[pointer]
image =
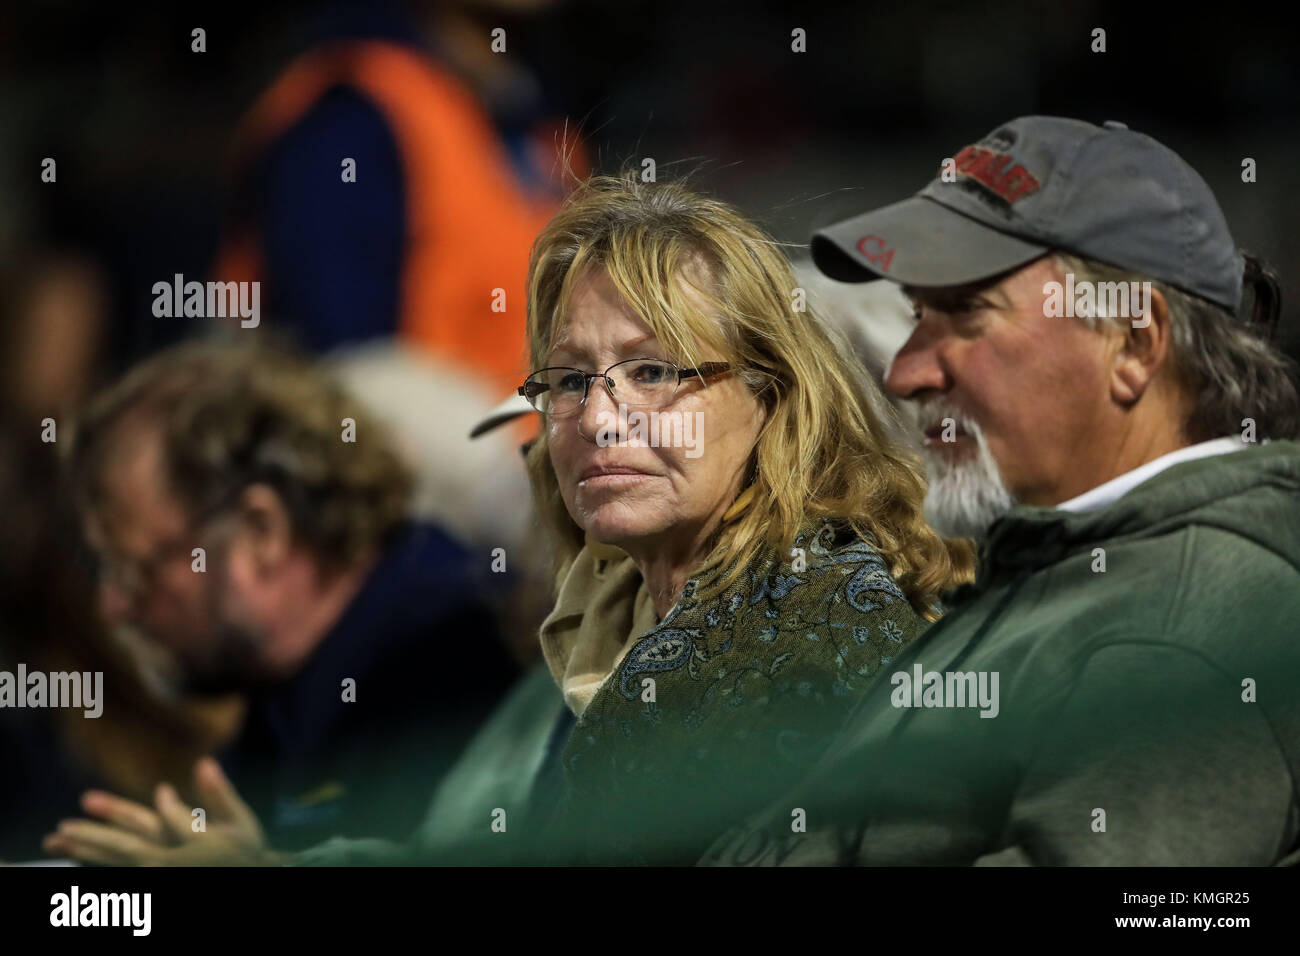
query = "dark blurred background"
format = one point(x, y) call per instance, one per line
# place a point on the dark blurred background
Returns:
point(143, 130)
point(140, 125)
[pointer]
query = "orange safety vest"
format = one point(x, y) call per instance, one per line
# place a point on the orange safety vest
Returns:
point(470, 222)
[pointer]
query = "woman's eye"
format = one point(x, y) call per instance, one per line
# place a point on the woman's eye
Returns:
point(571, 383)
point(649, 374)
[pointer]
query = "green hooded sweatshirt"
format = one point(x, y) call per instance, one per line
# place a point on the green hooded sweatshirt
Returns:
point(1117, 687)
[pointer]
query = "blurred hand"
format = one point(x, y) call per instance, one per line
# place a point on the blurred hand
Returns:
point(136, 835)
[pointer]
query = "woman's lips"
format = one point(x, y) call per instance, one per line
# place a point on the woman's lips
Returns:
point(600, 476)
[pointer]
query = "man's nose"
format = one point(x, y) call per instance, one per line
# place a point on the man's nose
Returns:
point(600, 414)
point(916, 368)
point(115, 604)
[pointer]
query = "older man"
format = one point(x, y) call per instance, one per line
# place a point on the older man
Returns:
point(1122, 683)
point(254, 520)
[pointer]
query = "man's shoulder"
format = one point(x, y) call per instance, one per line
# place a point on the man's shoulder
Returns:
point(422, 635)
point(1201, 583)
point(1204, 595)
point(423, 566)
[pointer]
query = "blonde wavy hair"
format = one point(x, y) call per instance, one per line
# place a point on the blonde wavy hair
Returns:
point(823, 451)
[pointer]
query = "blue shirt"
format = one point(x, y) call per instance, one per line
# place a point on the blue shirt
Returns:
point(421, 642)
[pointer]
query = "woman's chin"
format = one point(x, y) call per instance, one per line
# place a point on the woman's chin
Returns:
point(616, 530)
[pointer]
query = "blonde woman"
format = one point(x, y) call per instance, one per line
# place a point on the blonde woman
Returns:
point(738, 550)
point(738, 545)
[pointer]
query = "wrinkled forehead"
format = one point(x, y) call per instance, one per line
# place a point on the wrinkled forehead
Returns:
point(632, 309)
point(134, 503)
point(595, 305)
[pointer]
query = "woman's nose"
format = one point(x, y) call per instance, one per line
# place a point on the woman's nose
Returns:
point(600, 414)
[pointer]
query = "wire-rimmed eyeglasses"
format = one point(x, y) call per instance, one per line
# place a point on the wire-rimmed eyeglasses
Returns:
point(559, 390)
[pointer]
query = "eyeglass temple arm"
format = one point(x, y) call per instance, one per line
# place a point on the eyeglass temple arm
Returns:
point(708, 368)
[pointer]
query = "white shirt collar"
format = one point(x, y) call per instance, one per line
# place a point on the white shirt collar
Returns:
point(1113, 490)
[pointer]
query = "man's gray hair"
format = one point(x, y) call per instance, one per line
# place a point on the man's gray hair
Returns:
point(1230, 368)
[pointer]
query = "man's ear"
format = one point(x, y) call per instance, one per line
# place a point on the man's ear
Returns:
point(265, 526)
point(1145, 346)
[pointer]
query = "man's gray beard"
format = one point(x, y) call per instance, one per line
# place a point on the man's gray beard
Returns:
point(966, 494)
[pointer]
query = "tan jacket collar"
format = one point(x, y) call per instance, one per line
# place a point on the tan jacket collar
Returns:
point(602, 609)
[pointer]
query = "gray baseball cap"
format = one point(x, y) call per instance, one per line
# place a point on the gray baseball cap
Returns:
point(1042, 183)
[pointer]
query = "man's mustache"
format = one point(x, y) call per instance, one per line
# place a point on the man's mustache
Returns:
point(929, 412)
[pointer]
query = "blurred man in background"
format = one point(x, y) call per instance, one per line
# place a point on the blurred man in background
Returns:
point(251, 517)
point(48, 623)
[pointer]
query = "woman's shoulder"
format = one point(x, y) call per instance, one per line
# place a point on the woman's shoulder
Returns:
point(829, 554)
point(762, 672)
point(824, 551)
point(829, 603)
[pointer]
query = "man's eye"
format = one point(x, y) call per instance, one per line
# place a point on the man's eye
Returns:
point(967, 306)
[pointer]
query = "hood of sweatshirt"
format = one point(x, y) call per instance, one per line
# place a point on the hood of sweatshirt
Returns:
point(1254, 493)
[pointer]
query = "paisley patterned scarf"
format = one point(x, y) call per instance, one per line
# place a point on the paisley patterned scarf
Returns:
point(603, 607)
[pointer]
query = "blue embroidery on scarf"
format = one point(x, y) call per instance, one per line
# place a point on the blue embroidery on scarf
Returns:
point(661, 651)
point(668, 648)
point(873, 578)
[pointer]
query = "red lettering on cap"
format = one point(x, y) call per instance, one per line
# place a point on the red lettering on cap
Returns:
point(997, 162)
point(1018, 183)
point(883, 255)
point(966, 158)
point(986, 167)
